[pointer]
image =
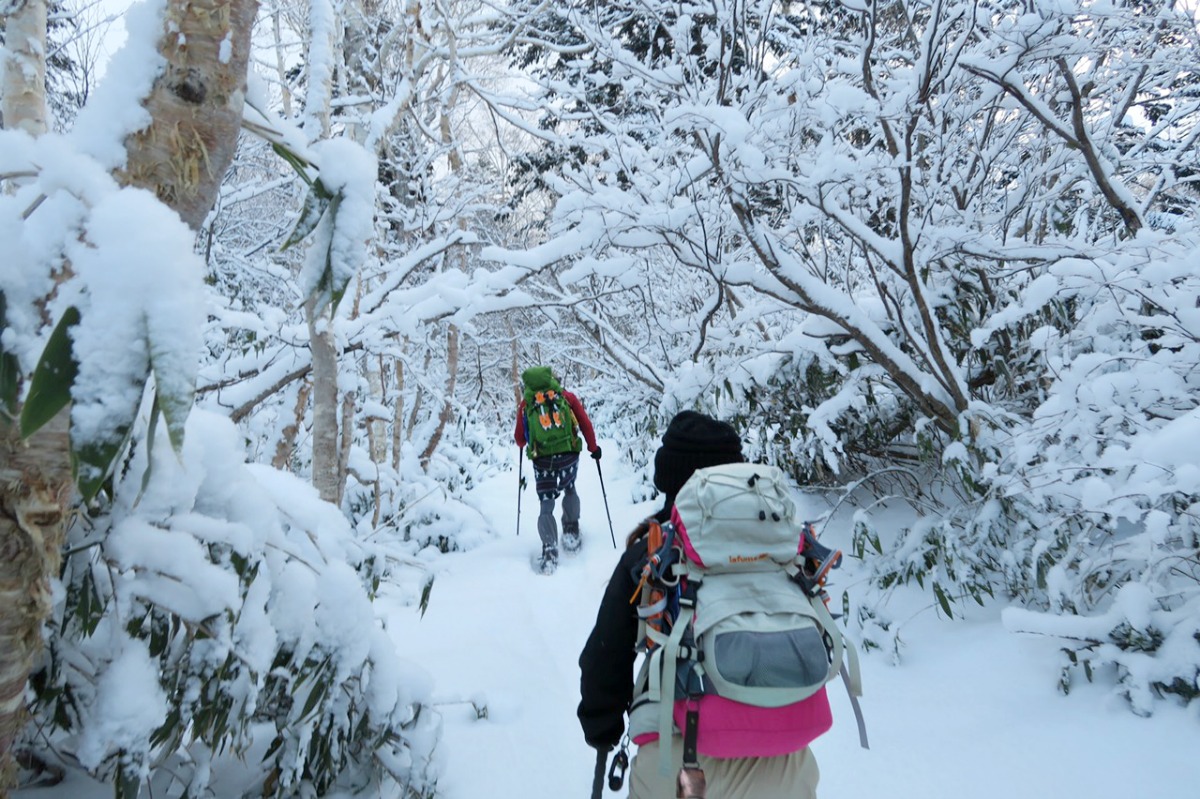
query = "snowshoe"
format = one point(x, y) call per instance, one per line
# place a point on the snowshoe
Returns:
point(547, 563)
point(571, 541)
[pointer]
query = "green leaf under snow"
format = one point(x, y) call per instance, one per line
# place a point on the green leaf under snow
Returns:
point(329, 283)
point(297, 162)
point(50, 387)
point(316, 202)
point(943, 600)
point(320, 688)
point(174, 396)
point(150, 430)
point(426, 592)
point(94, 461)
point(10, 371)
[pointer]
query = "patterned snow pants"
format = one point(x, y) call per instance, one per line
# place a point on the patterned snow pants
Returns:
point(554, 475)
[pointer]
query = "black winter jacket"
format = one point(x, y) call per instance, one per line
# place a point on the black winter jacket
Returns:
point(606, 663)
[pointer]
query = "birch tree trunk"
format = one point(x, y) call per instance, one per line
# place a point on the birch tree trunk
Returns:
point(35, 475)
point(377, 441)
point(285, 91)
point(196, 109)
point(514, 368)
point(447, 412)
point(287, 442)
point(322, 56)
point(23, 92)
point(196, 106)
point(347, 442)
point(398, 415)
point(35, 501)
point(454, 156)
point(419, 400)
point(325, 477)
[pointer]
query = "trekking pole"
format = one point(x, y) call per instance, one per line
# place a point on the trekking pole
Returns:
point(520, 485)
point(598, 779)
point(606, 513)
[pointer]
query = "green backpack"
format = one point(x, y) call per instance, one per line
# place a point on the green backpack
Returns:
point(550, 427)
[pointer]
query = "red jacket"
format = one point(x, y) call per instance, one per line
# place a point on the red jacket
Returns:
point(581, 418)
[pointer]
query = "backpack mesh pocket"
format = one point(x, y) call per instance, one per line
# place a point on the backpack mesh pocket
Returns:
point(797, 657)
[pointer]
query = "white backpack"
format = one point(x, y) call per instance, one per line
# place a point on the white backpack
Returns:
point(734, 617)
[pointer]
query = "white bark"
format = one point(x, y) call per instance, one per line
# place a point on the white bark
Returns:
point(322, 49)
point(285, 91)
point(23, 96)
point(398, 416)
point(287, 442)
point(447, 412)
point(325, 458)
point(196, 105)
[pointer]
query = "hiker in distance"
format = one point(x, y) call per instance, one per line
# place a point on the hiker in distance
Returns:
point(739, 747)
point(549, 421)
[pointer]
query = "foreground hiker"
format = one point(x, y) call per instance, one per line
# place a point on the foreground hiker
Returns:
point(549, 420)
point(738, 746)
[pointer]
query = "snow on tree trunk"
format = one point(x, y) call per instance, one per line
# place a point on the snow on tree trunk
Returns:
point(196, 105)
point(322, 57)
point(322, 47)
point(377, 441)
point(287, 441)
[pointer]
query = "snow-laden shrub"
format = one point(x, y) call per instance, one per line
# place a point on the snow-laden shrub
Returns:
point(219, 609)
point(1085, 511)
point(1108, 473)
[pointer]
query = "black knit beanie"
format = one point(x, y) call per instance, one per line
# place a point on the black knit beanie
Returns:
point(693, 441)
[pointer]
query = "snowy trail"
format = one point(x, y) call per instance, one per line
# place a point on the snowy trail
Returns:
point(499, 634)
point(972, 713)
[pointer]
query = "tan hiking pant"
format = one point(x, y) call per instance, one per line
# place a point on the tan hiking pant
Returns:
point(793, 776)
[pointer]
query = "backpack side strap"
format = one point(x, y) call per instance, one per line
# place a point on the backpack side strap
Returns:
point(845, 652)
point(668, 656)
point(854, 695)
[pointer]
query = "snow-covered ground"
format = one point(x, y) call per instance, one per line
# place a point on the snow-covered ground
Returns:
point(972, 710)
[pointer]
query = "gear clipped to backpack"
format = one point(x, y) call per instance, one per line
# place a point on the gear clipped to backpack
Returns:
point(734, 622)
point(550, 424)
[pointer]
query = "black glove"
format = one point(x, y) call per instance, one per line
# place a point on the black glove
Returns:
point(596, 454)
point(604, 743)
point(524, 482)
